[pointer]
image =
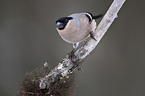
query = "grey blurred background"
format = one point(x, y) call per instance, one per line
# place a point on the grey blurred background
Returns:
point(28, 38)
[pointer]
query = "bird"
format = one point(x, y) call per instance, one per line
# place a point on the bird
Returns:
point(77, 27)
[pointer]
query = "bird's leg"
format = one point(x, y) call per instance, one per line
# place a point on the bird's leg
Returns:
point(74, 59)
point(71, 54)
point(75, 45)
point(92, 36)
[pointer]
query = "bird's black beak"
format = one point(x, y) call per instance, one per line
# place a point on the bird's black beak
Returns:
point(59, 25)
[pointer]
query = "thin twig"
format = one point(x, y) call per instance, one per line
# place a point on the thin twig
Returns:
point(65, 68)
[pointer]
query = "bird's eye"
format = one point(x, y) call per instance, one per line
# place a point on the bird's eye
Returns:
point(60, 25)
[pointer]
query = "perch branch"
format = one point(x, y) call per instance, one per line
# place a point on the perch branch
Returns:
point(68, 65)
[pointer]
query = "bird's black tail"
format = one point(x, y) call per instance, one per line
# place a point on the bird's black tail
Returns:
point(98, 16)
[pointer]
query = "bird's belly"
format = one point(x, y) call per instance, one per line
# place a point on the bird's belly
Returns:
point(75, 36)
